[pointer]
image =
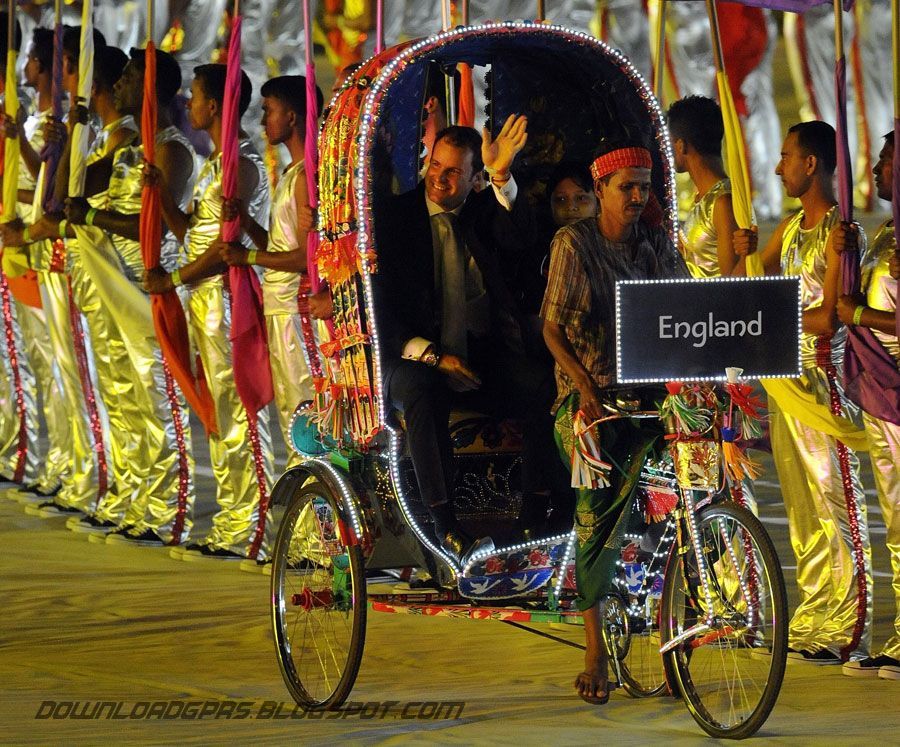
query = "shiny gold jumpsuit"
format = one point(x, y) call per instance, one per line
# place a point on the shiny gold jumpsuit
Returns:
point(158, 495)
point(807, 462)
point(884, 438)
point(242, 473)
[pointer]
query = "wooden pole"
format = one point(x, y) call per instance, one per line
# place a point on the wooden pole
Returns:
point(11, 25)
point(541, 13)
point(838, 31)
point(718, 59)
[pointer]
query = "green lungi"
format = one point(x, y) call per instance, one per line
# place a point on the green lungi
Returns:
point(601, 514)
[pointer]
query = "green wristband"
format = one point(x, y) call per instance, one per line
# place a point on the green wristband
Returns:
point(175, 277)
point(251, 257)
point(857, 314)
point(89, 218)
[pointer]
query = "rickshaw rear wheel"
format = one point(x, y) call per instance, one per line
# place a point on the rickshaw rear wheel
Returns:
point(318, 599)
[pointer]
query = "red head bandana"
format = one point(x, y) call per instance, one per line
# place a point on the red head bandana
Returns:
point(622, 158)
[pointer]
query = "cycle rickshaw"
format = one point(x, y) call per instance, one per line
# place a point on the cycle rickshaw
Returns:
point(716, 607)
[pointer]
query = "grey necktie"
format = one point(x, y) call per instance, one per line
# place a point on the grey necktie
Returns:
point(450, 276)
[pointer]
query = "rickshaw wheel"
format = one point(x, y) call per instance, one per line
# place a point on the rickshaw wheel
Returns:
point(729, 675)
point(638, 662)
point(318, 599)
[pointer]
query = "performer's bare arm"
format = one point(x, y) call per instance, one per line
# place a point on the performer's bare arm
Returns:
point(822, 320)
point(60, 132)
point(16, 129)
point(292, 261)
point(564, 354)
point(745, 241)
point(210, 263)
point(121, 224)
point(883, 321)
point(99, 172)
point(726, 225)
point(174, 166)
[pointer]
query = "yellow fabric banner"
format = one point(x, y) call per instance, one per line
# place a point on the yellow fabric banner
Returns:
point(735, 155)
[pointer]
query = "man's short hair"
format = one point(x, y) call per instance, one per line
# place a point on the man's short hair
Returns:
point(291, 91)
point(42, 48)
point(463, 137)
point(889, 138)
point(109, 62)
point(72, 41)
point(168, 73)
point(17, 35)
point(212, 80)
point(698, 121)
point(817, 139)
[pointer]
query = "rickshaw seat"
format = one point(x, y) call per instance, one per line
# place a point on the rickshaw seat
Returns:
point(474, 432)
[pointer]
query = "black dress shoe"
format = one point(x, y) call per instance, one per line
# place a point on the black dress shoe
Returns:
point(458, 544)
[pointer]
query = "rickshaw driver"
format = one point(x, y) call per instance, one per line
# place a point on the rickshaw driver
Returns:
point(447, 315)
point(624, 241)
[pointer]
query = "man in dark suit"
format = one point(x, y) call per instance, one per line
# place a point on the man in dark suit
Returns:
point(448, 316)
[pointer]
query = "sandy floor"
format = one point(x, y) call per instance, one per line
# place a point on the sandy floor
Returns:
point(84, 622)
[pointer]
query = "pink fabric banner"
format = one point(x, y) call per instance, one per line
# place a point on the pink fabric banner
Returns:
point(249, 343)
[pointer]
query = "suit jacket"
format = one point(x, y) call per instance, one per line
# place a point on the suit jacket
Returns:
point(406, 303)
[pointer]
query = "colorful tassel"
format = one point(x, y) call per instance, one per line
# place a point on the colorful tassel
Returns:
point(588, 468)
point(689, 408)
point(737, 463)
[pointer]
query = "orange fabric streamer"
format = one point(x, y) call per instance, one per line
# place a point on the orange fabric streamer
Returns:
point(466, 96)
point(168, 314)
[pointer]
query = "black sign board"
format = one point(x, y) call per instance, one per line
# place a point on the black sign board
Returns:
point(693, 329)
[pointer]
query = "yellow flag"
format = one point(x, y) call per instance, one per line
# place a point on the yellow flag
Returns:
point(736, 157)
point(11, 153)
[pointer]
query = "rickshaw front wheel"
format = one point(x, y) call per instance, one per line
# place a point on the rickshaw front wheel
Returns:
point(318, 598)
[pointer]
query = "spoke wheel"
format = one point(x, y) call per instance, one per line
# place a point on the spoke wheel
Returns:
point(731, 672)
point(318, 599)
point(633, 640)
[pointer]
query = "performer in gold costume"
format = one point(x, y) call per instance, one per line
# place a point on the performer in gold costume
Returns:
point(877, 310)
point(705, 239)
point(242, 465)
point(813, 442)
point(155, 506)
point(281, 251)
point(50, 465)
point(114, 374)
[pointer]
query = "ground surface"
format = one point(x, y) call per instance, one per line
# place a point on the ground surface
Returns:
point(85, 622)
